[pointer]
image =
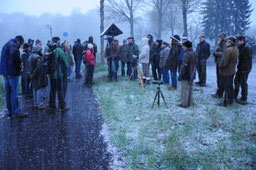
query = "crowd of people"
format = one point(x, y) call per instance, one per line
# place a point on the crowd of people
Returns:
point(178, 61)
point(46, 72)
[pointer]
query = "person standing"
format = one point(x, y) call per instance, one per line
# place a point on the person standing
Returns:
point(183, 39)
point(151, 44)
point(187, 75)
point(95, 48)
point(10, 68)
point(132, 58)
point(162, 64)
point(144, 59)
point(123, 58)
point(25, 79)
point(31, 45)
point(227, 69)
point(172, 61)
point(89, 59)
point(243, 69)
point(203, 53)
point(217, 57)
point(68, 53)
point(155, 60)
point(78, 51)
point(58, 69)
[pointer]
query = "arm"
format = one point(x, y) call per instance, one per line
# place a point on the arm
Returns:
point(208, 51)
point(184, 66)
point(15, 56)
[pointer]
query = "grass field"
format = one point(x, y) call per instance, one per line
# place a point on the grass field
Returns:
point(205, 136)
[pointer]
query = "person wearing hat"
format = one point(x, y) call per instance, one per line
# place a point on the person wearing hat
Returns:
point(123, 51)
point(227, 69)
point(132, 58)
point(10, 68)
point(165, 50)
point(89, 61)
point(77, 52)
point(156, 71)
point(243, 69)
point(187, 75)
point(172, 61)
point(203, 53)
point(217, 56)
point(25, 79)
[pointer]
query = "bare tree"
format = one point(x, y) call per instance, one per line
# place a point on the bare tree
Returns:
point(102, 18)
point(124, 10)
point(161, 7)
point(188, 6)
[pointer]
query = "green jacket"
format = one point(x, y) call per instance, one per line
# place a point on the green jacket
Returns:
point(61, 64)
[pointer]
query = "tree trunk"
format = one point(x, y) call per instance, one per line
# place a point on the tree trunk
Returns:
point(159, 26)
point(131, 24)
point(102, 60)
point(184, 14)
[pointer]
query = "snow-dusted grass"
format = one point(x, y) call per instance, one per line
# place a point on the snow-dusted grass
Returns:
point(205, 136)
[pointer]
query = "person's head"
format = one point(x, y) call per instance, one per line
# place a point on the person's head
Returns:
point(37, 50)
point(130, 40)
point(240, 40)
point(144, 41)
point(164, 44)
point(124, 42)
point(184, 39)
point(159, 42)
point(187, 45)
point(19, 40)
point(78, 40)
point(90, 39)
point(90, 46)
point(222, 36)
point(116, 41)
point(110, 39)
point(230, 41)
point(150, 37)
point(202, 38)
point(175, 39)
point(30, 42)
point(38, 42)
point(25, 47)
point(56, 40)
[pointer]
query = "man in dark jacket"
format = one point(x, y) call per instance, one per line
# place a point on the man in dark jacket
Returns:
point(132, 58)
point(10, 68)
point(172, 61)
point(123, 57)
point(25, 79)
point(203, 53)
point(243, 69)
point(151, 44)
point(156, 71)
point(217, 57)
point(78, 51)
point(227, 69)
point(187, 75)
point(90, 41)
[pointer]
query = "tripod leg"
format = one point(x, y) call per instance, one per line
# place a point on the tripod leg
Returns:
point(154, 100)
point(141, 79)
point(163, 98)
point(158, 100)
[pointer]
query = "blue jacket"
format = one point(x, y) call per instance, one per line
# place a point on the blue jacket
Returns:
point(10, 64)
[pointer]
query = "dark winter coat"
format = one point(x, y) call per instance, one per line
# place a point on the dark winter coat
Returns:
point(227, 66)
point(151, 46)
point(111, 50)
point(156, 51)
point(78, 51)
point(188, 66)
point(172, 61)
point(25, 56)
point(10, 64)
point(123, 51)
point(133, 50)
point(164, 56)
point(245, 58)
point(219, 51)
point(39, 76)
point(203, 51)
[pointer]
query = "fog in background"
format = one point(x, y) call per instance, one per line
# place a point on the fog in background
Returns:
point(80, 18)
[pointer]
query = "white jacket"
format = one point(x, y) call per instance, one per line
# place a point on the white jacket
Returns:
point(144, 54)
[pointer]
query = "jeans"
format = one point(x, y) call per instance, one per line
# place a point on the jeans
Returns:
point(78, 67)
point(174, 78)
point(166, 77)
point(57, 86)
point(201, 69)
point(132, 70)
point(156, 70)
point(123, 68)
point(112, 68)
point(89, 75)
point(25, 85)
point(69, 70)
point(11, 94)
point(241, 81)
point(39, 97)
point(228, 88)
point(220, 85)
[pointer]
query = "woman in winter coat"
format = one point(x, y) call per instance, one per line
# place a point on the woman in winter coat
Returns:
point(164, 54)
point(89, 59)
point(155, 60)
point(144, 59)
point(68, 52)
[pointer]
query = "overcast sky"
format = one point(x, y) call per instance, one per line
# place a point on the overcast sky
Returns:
point(64, 7)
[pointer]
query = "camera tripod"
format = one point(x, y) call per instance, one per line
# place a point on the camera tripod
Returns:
point(139, 75)
point(158, 94)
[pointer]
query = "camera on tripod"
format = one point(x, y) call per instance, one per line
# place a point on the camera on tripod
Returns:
point(159, 94)
point(158, 82)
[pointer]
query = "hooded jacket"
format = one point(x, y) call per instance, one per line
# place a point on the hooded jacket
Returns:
point(145, 51)
point(164, 56)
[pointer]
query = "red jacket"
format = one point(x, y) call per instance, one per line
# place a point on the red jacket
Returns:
point(89, 58)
